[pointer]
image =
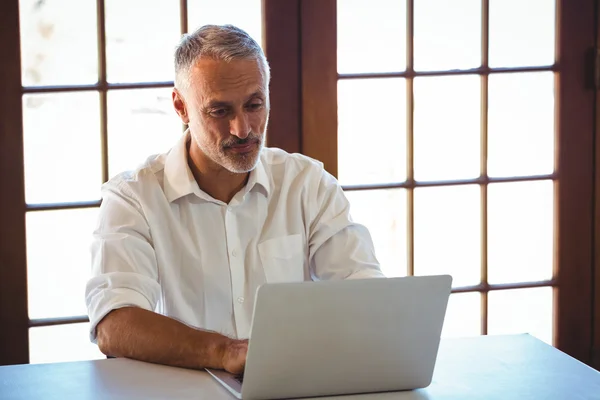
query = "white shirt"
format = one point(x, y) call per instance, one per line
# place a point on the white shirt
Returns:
point(164, 245)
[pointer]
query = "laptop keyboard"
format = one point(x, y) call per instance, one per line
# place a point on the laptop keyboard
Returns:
point(239, 378)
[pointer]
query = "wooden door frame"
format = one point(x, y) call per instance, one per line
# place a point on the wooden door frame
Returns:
point(14, 334)
point(300, 44)
point(575, 188)
point(281, 43)
point(596, 274)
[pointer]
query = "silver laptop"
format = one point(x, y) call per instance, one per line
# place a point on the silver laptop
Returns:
point(342, 337)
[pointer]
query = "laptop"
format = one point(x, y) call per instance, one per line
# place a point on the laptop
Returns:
point(328, 338)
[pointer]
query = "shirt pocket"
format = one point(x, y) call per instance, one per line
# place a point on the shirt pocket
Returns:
point(283, 258)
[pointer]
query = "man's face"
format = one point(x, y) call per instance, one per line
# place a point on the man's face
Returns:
point(226, 107)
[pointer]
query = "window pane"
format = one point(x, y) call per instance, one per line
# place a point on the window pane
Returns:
point(141, 50)
point(62, 343)
point(447, 127)
point(62, 147)
point(448, 233)
point(51, 53)
point(521, 311)
point(58, 261)
point(140, 123)
point(521, 124)
point(245, 14)
point(447, 34)
point(383, 212)
point(371, 137)
point(520, 231)
point(463, 316)
point(382, 19)
point(521, 32)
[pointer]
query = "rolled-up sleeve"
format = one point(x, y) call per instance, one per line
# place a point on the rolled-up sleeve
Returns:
point(338, 247)
point(124, 268)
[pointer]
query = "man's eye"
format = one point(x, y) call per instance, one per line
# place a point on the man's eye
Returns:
point(218, 113)
point(255, 106)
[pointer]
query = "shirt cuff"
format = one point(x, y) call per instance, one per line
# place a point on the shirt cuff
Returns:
point(102, 301)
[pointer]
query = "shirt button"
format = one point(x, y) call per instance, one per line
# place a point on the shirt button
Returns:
point(240, 299)
point(234, 253)
point(229, 208)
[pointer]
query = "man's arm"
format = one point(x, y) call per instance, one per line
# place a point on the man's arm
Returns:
point(124, 290)
point(338, 247)
point(143, 335)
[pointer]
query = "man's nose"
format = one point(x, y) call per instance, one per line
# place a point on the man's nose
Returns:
point(240, 126)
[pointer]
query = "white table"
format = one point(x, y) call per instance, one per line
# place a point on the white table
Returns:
point(492, 367)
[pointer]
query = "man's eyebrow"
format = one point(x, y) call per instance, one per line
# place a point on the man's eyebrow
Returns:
point(258, 93)
point(218, 104)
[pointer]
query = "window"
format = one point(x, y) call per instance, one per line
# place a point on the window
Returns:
point(452, 130)
point(96, 101)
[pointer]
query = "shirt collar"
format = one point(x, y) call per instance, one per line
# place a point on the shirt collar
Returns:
point(259, 178)
point(179, 180)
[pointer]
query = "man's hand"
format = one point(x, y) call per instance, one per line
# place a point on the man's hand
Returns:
point(234, 356)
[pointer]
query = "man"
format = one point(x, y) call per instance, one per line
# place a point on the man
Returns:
point(183, 242)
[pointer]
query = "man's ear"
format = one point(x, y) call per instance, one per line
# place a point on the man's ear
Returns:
point(180, 106)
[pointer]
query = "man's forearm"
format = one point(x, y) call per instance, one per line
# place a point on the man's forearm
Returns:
point(146, 336)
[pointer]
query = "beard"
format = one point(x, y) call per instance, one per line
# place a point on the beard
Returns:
point(242, 161)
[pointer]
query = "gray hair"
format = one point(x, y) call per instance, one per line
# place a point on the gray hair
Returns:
point(221, 42)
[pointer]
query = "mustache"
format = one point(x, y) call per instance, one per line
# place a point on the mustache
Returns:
point(236, 141)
